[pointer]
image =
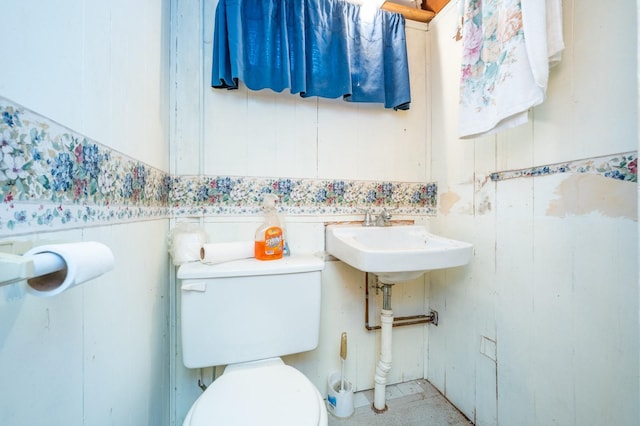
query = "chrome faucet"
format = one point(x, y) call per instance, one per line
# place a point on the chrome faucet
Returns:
point(384, 218)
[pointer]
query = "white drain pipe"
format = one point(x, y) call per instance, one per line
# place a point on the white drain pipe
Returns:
point(384, 363)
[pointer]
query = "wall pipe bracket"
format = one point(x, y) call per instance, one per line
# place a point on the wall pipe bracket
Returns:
point(430, 318)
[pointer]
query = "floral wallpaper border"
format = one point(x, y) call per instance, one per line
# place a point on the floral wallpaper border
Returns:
point(54, 178)
point(205, 195)
point(622, 166)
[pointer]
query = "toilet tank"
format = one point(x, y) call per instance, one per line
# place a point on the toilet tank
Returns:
point(249, 309)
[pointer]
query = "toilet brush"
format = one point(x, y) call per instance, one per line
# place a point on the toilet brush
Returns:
point(343, 357)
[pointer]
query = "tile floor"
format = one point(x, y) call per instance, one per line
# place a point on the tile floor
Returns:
point(415, 403)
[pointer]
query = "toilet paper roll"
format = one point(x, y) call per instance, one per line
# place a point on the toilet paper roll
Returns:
point(225, 252)
point(67, 265)
point(185, 244)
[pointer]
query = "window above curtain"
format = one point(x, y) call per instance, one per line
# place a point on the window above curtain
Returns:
point(325, 48)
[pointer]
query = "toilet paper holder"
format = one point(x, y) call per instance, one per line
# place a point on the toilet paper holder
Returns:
point(15, 268)
point(51, 269)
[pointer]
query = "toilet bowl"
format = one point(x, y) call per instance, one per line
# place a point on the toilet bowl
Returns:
point(265, 393)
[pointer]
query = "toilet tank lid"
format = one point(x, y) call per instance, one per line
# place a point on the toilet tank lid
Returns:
point(248, 267)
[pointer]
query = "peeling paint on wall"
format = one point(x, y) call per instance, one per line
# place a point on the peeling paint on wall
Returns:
point(582, 194)
point(447, 201)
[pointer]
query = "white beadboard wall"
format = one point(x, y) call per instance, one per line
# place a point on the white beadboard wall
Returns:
point(542, 328)
point(262, 133)
point(99, 69)
point(248, 133)
point(97, 354)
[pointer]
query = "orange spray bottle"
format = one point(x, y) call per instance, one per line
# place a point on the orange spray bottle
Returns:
point(269, 241)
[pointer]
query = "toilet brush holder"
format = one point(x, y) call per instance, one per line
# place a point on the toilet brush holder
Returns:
point(340, 400)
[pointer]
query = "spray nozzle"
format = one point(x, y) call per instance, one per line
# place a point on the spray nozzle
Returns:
point(269, 201)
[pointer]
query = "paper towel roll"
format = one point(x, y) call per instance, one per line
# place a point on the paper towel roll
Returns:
point(80, 262)
point(226, 252)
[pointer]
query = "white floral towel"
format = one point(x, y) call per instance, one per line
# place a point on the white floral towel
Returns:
point(508, 46)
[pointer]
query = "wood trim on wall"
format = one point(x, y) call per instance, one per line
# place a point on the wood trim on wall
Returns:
point(434, 5)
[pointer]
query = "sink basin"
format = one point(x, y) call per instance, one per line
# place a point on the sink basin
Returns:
point(394, 253)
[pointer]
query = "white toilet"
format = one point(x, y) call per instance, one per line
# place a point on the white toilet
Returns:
point(246, 314)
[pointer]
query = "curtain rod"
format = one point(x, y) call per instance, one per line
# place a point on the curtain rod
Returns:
point(410, 13)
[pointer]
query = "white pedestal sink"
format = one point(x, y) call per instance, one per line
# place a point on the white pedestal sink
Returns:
point(395, 254)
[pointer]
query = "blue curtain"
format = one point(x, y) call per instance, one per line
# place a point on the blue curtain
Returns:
point(325, 48)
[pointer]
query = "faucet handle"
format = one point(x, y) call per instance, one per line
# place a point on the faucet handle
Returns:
point(384, 218)
point(368, 221)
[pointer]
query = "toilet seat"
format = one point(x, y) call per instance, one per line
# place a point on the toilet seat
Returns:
point(259, 393)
